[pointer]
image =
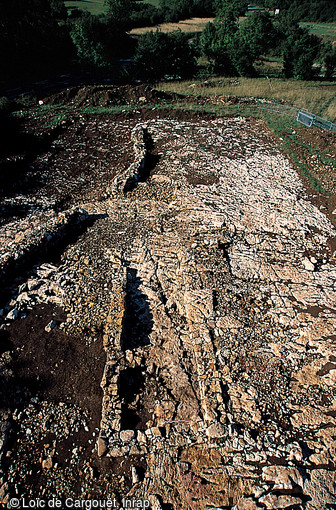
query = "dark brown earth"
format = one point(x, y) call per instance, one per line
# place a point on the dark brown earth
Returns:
point(54, 365)
point(316, 150)
point(58, 367)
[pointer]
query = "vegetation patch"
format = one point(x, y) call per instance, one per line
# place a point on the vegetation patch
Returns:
point(191, 25)
point(325, 30)
point(316, 97)
point(95, 7)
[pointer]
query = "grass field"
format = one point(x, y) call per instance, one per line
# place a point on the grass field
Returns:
point(97, 6)
point(156, 3)
point(187, 26)
point(325, 30)
point(318, 98)
point(93, 6)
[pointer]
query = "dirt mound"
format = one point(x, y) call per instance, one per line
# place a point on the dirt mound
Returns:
point(109, 95)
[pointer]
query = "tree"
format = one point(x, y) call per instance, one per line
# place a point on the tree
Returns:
point(216, 39)
point(254, 37)
point(159, 55)
point(231, 9)
point(300, 52)
point(119, 12)
point(174, 10)
point(241, 57)
point(329, 60)
point(232, 48)
point(88, 35)
point(145, 15)
point(31, 39)
point(58, 9)
point(99, 41)
point(258, 34)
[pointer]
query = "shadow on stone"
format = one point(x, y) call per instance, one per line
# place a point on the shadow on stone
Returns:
point(131, 386)
point(146, 166)
point(138, 319)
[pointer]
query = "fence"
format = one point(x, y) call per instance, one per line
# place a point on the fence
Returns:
point(302, 115)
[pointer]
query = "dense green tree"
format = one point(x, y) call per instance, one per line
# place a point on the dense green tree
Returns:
point(257, 33)
point(119, 11)
point(159, 55)
point(230, 8)
point(174, 10)
point(217, 38)
point(255, 37)
point(58, 9)
point(232, 48)
point(329, 57)
point(89, 38)
point(99, 42)
point(145, 15)
point(300, 51)
point(31, 38)
point(241, 58)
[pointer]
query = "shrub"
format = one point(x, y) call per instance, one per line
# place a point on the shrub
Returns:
point(159, 55)
point(330, 60)
point(99, 41)
point(300, 52)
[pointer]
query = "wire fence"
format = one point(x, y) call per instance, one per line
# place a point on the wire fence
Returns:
point(302, 115)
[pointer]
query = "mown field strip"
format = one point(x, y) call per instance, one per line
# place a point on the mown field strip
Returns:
point(186, 26)
point(93, 6)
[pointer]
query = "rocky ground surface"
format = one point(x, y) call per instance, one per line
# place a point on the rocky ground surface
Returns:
point(167, 316)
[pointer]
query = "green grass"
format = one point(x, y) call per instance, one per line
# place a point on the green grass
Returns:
point(93, 6)
point(318, 98)
point(325, 30)
point(97, 6)
point(156, 3)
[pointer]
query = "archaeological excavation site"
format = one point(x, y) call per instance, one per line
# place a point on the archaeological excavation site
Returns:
point(168, 311)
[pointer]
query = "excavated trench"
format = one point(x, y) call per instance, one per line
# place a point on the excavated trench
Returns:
point(198, 386)
point(138, 320)
point(147, 159)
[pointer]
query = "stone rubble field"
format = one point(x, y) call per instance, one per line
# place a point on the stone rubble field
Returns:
point(202, 278)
